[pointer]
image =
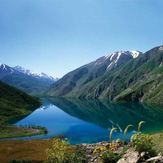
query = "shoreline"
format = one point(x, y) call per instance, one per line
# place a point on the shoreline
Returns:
point(35, 149)
point(11, 131)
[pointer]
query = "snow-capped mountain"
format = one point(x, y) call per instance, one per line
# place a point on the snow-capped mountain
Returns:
point(120, 76)
point(117, 54)
point(5, 68)
point(37, 75)
point(83, 75)
point(26, 80)
point(117, 58)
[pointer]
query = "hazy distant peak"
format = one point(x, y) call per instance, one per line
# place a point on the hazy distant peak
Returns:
point(6, 68)
point(3, 65)
point(31, 73)
point(22, 70)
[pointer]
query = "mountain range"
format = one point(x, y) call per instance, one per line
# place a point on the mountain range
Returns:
point(25, 80)
point(120, 76)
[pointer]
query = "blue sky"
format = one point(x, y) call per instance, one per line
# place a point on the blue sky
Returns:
point(57, 36)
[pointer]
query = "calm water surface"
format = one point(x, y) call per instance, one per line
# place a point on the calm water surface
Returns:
point(88, 121)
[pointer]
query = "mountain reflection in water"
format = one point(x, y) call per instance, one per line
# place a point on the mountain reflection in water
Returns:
point(87, 121)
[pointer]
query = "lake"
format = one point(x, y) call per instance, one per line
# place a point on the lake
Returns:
point(89, 121)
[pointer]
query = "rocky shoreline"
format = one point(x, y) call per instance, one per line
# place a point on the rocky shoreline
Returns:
point(130, 155)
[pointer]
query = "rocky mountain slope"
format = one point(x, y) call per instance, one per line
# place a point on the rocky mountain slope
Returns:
point(121, 76)
point(91, 71)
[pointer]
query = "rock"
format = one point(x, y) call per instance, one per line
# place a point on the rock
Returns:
point(89, 149)
point(119, 150)
point(158, 159)
point(122, 160)
point(131, 156)
point(142, 154)
point(93, 160)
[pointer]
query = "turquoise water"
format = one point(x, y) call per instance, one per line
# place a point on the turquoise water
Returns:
point(88, 121)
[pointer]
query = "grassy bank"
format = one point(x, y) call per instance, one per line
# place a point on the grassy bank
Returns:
point(23, 150)
point(158, 141)
point(13, 105)
point(9, 131)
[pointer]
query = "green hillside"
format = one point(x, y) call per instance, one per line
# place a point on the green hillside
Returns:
point(15, 103)
point(139, 79)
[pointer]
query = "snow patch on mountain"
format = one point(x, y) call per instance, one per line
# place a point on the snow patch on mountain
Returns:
point(6, 68)
point(22, 70)
point(135, 53)
point(161, 48)
point(34, 74)
point(119, 57)
point(132, 53)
